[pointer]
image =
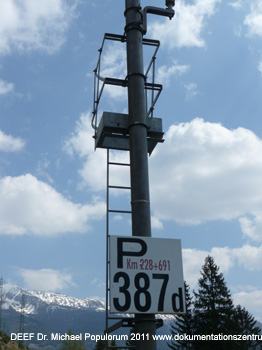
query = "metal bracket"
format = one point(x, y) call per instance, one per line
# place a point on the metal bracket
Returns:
point(130, 322)
point(124, 322)
point(168, 12)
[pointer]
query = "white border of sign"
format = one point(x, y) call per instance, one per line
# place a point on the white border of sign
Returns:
point(146, 275)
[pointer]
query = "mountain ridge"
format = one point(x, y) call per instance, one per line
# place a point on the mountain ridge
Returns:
point(48, 312)
point(12, 296)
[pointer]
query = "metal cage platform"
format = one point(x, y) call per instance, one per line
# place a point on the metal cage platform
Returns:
point(113, 132)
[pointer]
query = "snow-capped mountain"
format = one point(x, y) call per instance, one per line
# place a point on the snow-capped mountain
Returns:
point(47, 312)
point(12, 298)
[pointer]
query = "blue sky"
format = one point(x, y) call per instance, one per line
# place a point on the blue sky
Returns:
point(205, 180)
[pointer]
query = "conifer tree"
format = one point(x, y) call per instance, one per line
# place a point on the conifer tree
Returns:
point(100, 345)
point(213, 307)
point(246, 324)
point(183, 324)
point(114, 344)
point(1, 301)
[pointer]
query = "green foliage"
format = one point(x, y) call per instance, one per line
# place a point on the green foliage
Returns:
point(72, 344)
point(100, 345)
point(6, 343)
point(21, 345)
point(213, 306)
point(113, 343)
point(212, 312)
point(1, 301)
point(5, 338)
point(245, 324)
point(183, 324)
point(81, 345)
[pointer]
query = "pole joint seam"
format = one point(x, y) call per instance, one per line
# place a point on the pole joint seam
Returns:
point(140, 201)
point(138, 8)
point(135, 73)
point(137, 124)
point(134, 25)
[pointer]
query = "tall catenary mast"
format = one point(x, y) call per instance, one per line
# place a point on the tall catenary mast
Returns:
point(140, 202)
point(137, 133)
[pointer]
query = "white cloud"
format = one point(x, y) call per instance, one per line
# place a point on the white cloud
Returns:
point(250, 257)
point(253, 20)
point(208, 172)
point(5, 87)
point(29, 206)
point(236, 4)
point(251, 226)
point(259, 67)
point(238, 31)
point(31, 25)
point(9, 143)
point(81, 140)
point(117, 218)
point(93, 173)
point(156, 223)
point(187, 26)
point(113, 65)
point(164, 73)
point(46, 279)
point(194, 259)
point(98, 283)
point(191, 91)
point(41, 170)
point(223, 257)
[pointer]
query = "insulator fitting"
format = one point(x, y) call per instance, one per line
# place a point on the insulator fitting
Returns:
point(170, 4)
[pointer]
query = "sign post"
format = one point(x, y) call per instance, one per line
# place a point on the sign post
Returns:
point(146, 275)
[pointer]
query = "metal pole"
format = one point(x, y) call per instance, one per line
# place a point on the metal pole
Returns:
point(141, 223)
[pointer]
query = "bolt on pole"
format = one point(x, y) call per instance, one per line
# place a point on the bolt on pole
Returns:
point(141, 223)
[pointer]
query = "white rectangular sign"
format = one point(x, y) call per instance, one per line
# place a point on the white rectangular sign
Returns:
point(146, 275)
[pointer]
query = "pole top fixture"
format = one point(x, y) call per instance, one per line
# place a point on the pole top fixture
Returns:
point(170, 4)
point(167, 12)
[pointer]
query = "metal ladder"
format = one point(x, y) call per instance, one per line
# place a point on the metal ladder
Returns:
point(120, 321)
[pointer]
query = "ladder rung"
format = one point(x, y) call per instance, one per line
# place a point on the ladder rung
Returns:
point(115, 163)
point(120, 211)
point(121, 347)
point(120, 187)
point(121, 318)
point(120, 321)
